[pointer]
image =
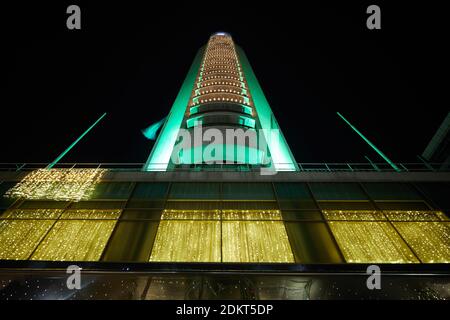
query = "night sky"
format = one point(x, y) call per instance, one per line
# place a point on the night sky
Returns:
point(311, 61)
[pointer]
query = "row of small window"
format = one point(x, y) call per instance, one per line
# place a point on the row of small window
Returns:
point(289, 207)
point(296, 195)
point(212, 213)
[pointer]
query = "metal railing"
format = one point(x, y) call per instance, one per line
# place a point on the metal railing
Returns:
point(302, 167)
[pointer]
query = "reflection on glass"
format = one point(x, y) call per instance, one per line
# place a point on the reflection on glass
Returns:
point(19, 238)
point(429, 240)
point(371, 242)
point(75, 240)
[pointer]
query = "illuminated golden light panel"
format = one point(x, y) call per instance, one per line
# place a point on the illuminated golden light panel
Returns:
point(33, 213)
point(251, 215)
point(367, 215)
point(19, 238)
point(75, 240)
point(200, 237)
point(57, 184)
point(169, 214)
point(102, 214)
point(429, 240)
point(187, 241)
point(380, 241)
point(413, 215)
point(255, 241)
point(370, 242)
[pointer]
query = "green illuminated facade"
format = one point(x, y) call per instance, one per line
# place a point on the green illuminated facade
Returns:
point(221, 92)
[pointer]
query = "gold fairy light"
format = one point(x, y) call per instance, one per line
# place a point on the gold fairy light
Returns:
point(187, 241)
point(75, 240)
point(173, 214)
point(380, 241)
point(19, 238)
point(429, 240)
point(370, 242)
point(414, 215)
point(81, 214)
point(365, 215)
point(32, 213)
point(251, 215)
point(255, 241)
point(199, 236)
point(57, 184)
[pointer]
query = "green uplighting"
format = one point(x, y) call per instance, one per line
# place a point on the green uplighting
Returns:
point(282, 157)
point(392, 164)
point(51, 165)
point(160, 156)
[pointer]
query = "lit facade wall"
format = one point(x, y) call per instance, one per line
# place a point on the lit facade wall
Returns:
point(239, 222)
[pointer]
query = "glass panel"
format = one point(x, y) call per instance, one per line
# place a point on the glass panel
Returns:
point(131, 242)
point(259, 241)
point(247, 191)
point(292, 196)
point(392, 191)
point(297, 204)
point(154, 190)
point(346, 205)
point(6, 203)
point(30, 204)
point(141, 215)
point(353, 215)
point(291, 191)
point(337, 191)
point(392, 205)
point(249, 205)
point(143, 204)
point(75, 240)
point(5, 186)
point(187, 241)
point(19, 238)
point(438, 193)
point(91, 214)
point(33, 214)
point(112, 190)
point(301, 215)
point(192, 190)
point(312, 243)
point(98, 205)
point(371, 242)
point(193, 205)
point(429, 240)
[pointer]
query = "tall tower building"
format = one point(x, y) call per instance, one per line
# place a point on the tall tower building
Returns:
point(221, 97)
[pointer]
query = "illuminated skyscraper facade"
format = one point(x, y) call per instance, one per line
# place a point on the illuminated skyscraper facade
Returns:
point(221, 93)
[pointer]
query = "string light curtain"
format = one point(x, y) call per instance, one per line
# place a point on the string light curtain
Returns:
point(429, 240)
point(57, 184)
point(19, 238)
point(255, 241)
point(55, 234)
point(370, 242)
point(199, 236)
point(75, 240)
point(379, 236)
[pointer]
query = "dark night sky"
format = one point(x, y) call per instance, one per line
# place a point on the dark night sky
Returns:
point(130, 60)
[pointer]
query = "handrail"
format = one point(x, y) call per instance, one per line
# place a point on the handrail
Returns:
point(303, 167)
